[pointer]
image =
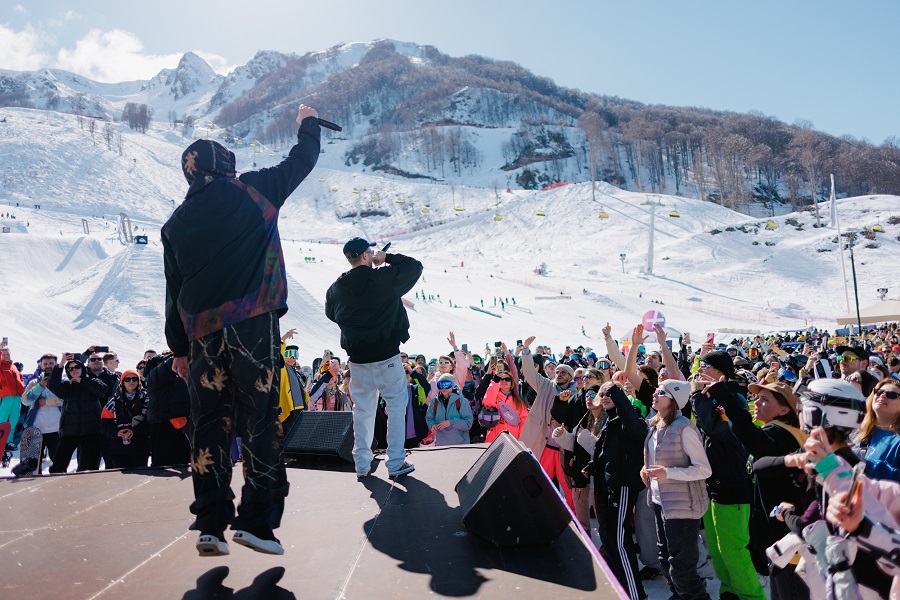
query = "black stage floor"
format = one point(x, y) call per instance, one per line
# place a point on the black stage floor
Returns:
point(119, 534)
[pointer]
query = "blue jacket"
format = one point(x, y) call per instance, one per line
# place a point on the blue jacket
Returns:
point(457, 411)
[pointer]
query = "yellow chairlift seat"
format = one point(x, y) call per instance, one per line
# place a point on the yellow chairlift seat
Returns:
point(321, 179)
point(271, 154)
point(498, 217)
point(426, 210)
point(334, 189)
point(459, 209)
point(374, 199)
point(355, 191)
point(673, 213)
point(604, 215)
point(399, 200)
point(541, 213)
point(878, 228)
point(771, 225)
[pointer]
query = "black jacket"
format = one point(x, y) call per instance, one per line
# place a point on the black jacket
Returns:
point(221, 249)
point(167, 393)
point(366, 305)
point(82, 402)
point(729, 483)
point(619, 453)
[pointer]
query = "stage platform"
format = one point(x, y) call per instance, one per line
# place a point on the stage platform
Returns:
point(123, 534)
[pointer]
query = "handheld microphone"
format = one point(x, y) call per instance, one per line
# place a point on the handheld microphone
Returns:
point(386, 246)
point(329, 125)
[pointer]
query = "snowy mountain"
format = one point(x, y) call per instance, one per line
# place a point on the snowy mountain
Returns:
point(71, 283)
point(412, 112)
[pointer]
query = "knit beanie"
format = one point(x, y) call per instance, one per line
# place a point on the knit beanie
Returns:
point(721, 361)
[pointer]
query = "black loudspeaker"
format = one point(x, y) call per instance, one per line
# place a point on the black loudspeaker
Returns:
point(140, 239)
point(507, 498)
point(321, 433)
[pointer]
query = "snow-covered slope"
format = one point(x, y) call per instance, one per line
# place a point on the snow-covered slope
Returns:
point(64, 289)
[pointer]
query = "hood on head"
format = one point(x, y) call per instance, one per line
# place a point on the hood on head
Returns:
point(205, 160)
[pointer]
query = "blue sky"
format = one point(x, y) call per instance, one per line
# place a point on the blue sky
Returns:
point(826, 62)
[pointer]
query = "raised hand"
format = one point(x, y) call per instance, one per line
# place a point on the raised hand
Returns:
point(527, 341)
point(660, 334)
point(637, 335)
point(608, 329)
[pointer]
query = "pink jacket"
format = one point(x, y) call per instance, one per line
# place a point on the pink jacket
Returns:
point(492, 398)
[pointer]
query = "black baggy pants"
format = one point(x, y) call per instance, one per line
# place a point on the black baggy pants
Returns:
point(234, 389)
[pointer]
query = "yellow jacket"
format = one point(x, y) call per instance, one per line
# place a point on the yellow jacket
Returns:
point(286, 397)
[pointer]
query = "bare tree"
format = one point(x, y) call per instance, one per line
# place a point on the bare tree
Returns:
point(92, 127)
point(593, 127)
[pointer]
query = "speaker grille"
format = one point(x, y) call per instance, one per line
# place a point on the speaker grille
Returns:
point(326, 433)
point(487, 469)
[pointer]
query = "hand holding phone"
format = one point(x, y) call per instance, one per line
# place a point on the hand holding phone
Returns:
point(711, 338)
point(855, 482)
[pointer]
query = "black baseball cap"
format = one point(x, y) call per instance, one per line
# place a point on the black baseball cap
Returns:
point(356, 247)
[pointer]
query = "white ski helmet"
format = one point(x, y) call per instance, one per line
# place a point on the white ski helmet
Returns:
point(834, 403)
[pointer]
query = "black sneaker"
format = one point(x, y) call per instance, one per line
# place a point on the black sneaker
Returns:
point(213, 544)
point(406, 467)
point(266, 542)
point(648, 573)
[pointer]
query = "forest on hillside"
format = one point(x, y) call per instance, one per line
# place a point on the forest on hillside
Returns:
point(730, 158)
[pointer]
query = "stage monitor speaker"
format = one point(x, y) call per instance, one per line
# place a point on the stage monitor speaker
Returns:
point(321, 433)
point(507, 498)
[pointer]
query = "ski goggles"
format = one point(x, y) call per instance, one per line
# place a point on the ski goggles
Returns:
point(291, 354)
point(846, 357)
point(444, 385)
point(604, 364)
point(787, 375)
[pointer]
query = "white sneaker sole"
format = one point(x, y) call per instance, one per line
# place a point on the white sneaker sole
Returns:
point(254, 543)
point(401, 473)
point(209, 545)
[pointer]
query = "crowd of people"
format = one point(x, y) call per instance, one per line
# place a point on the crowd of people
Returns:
point(753, 443)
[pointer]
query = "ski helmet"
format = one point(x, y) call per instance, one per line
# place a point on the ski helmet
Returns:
point(832, 403)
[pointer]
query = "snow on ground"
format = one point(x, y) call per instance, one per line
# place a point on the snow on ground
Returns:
point(75, 288)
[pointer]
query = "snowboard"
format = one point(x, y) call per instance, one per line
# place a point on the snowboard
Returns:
point(29, 453)
point(4, 437)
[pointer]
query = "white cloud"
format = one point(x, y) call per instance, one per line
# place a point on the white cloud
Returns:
point(218, 63)
point(18, 8)
point(113, 56)
point(20, 50)
point(71, 15)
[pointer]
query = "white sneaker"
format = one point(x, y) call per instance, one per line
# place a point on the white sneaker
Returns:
point(407, 467)
point(210, 545)
point(245, 538)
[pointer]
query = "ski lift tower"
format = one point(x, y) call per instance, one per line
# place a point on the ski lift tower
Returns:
point(652, 206)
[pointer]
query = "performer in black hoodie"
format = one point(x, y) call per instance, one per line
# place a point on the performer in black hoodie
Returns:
point(366, 304)
point(225, 291)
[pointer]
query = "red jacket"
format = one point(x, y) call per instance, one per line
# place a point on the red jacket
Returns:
point(11, 383)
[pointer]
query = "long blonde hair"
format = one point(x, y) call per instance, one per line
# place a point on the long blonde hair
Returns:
point(870, 421)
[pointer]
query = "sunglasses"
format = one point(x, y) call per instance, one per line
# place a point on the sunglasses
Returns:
point(504, 379)
point(444, 385)
point(888, 394)
point(95, 359)
point(591, 395)
point(846, 358)
point(705, 365)
point(660, 392)
point(132, 378)
point(444, 362)
point(73, 369)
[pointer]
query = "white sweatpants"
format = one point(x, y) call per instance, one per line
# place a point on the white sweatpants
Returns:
point(367, 380)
